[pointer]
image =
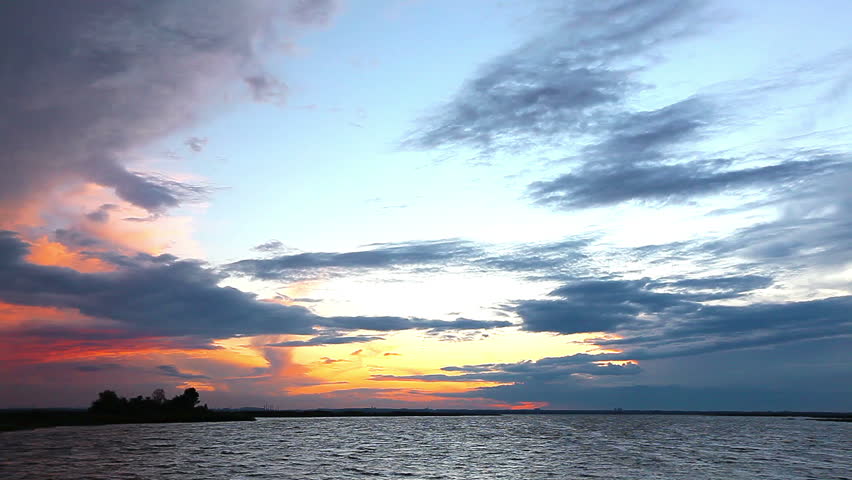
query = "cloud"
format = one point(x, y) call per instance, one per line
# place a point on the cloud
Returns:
point(270, 246)
point(717, 328)
point(812, 229)
point(536, 260)
point(93, 83)
point(98, 367)
point(331, 361)
point(656, 323)
point(634, 137)
point(560, 84)
point(326, 340)
point(636, 158)
point(809, 234)
point(609, 184)
point(566, 256)
point(165, 296)
point(734, 285)
point(151, 192)
point(387, 324)
point(101, 215)
point(312, 12)
point(552, 369)
point(573, 86)
point(75, 238)
point(266, 89)
point(196, 144)
point(595, 306)
point(159, 295)
point(665, 397)
point(379, 256)
point(723, 380)
point(173, 371)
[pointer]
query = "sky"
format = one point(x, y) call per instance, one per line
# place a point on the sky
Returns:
point(639, 204)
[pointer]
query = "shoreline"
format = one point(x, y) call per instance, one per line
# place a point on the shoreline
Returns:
point(16, 420)
point(11, 420)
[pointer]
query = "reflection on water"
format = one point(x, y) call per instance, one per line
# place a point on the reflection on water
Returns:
point(516, 447)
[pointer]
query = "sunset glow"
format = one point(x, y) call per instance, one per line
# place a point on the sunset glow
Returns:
point(513, 205)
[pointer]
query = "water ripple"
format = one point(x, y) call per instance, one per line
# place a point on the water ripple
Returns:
point(441, 448)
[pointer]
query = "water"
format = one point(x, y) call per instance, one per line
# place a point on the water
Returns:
point(470, 448)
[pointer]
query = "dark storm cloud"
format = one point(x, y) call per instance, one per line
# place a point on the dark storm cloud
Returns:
point(326, 340)
point(560, 84)
point(553, 380)
point(165, 296)
point(715, 328)
point(161, 296)
point(787, 382)
point(596, 305)
point(656, 323)
point(666, 397)
point(173, 371)
point(380, 256)
point(85, 83)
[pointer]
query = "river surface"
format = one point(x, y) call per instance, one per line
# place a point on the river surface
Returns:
point(470, 448)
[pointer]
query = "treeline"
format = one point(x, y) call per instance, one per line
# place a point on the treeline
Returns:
point(109, 408)
point(108, 402)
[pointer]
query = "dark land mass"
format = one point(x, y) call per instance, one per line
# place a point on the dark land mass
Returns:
point(380, 412)
point(109, 408)
point(31, 419)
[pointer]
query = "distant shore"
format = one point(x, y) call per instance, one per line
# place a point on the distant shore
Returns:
point(379, 412)
point(31, 419)
point(23, 419)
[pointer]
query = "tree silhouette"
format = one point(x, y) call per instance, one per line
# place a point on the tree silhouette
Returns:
point(186, 401)
point(158, 396)
point(108, 402)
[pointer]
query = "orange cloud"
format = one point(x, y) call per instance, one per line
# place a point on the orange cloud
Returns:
point(515, 406)
point(18, 316)
point(156, 236)
point(41, 349)
point(201, 387)
point(45, 252)
point(67, 208)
